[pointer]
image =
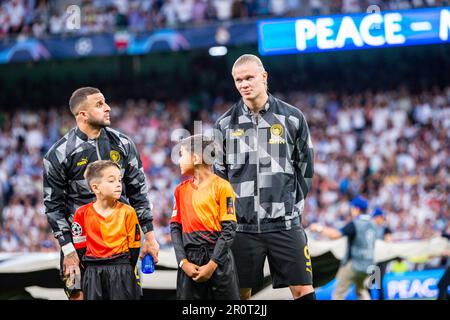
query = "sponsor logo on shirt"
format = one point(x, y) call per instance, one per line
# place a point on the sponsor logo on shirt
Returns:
point(83, 162)
point(230, 205)
point(276, 132)
point(114, 155)
point(137, 233)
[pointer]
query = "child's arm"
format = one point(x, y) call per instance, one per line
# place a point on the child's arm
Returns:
point(228, 222)
point(176, 232)
point(134, 236)
point(177, 240)
point(189, 268)
point(219, 256)
point(79, 233)
point(176, 229)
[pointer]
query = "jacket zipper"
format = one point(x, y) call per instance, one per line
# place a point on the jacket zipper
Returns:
point(98, 151)
point(257, 172)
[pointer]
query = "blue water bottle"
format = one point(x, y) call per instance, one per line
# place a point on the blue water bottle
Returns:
point(148, 266)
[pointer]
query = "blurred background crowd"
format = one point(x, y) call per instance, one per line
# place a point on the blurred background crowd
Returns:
point(40, 18)
point(389, 146)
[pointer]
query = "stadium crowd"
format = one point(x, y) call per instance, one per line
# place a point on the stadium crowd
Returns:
point(391, 147)
point(40, 18)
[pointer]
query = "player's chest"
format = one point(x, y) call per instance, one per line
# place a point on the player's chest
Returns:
point(90, 152)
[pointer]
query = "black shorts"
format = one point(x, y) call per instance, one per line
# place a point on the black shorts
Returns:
point(287, 252)
point(69, 291)
point(112, 280)
point(223, 284)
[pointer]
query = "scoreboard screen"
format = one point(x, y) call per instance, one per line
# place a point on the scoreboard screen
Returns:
point(354, 31)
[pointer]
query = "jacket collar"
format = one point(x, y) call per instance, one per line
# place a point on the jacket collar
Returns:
point(247, 111)
point(83, 136)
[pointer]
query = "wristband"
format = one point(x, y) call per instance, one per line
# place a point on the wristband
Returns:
point(68, 249)
point(182, 262)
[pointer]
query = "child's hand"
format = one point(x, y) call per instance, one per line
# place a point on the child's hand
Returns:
point(190, 269)
point(205, 272)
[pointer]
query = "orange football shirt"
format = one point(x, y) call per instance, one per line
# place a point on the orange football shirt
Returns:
point(106, 237)
point(200, 210)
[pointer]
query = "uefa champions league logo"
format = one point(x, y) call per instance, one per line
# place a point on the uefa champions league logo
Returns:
point(76, 229)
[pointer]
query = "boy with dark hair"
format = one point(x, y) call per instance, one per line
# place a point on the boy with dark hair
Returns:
point(203, 227)
point(107, 237)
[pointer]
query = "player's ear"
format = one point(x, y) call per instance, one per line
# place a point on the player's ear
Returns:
point(82, 110)
point(81, 114)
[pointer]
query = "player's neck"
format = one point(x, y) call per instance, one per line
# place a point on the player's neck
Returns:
point(202, 174)
point(257, 104)
point(104, 206)
point(91, 132)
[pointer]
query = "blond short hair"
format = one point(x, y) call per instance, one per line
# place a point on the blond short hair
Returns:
point(246, 58)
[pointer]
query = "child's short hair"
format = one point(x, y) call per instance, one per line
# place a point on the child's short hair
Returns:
point(201, 145)
point(94, 170)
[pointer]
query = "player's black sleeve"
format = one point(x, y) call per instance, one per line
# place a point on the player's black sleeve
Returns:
point(177, 241)
point(304, 157)
point(55, 186)
point(81, 252)
point(136, 188)
point(348, 230)
point(224, 242)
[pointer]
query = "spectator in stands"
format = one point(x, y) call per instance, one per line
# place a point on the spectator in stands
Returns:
point(184, 10)
point(238, 9)
point(210, 11)
point(169, 13)
point(223, 8)
point(198, 11)
point(4, 22)
point(16, 12)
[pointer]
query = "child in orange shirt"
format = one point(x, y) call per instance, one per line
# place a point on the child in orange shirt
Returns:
point(203, 227)
point(107, 236)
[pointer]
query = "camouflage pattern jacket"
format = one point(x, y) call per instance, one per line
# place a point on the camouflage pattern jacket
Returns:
point(268, 159)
